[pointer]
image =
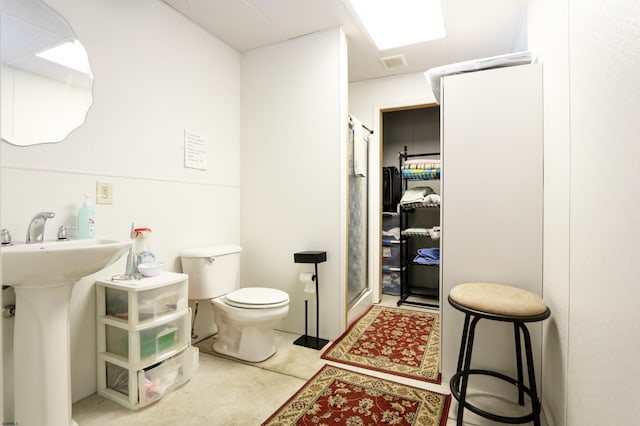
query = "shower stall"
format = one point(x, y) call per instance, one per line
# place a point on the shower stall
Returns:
point(358, 242)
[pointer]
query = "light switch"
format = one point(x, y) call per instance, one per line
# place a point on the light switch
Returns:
point(104, 193)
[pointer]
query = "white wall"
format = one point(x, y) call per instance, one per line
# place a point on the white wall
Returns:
point(548, 37)
point(604, 246)
point(368, 96)
point(294, 147)
point(590, 55)
point(156, 74)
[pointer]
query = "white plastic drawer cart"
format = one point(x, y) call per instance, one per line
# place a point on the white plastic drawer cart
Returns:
point(143, 338)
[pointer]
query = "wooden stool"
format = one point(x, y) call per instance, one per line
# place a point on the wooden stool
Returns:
point(496, 302)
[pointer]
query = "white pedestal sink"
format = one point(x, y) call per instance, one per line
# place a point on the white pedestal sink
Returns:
point(43, 275)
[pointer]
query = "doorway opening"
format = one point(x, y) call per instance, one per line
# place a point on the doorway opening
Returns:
point(410, 208)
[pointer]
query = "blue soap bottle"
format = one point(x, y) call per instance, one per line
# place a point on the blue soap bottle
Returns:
point(86, 220)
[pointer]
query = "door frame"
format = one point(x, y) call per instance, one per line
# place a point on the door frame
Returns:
point(374, 294)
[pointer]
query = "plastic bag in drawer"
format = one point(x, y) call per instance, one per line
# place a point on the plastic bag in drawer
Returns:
point(117, 378)
point(158, 379)
point(153, 305)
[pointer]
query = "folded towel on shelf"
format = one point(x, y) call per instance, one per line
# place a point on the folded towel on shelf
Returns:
point(416, 195)
point(419, 197)
point(415, 232)
point(428, 256)
point(421, 163)
point(432, 200)
point(393, 232)
point(434, 233)
point(421, 174)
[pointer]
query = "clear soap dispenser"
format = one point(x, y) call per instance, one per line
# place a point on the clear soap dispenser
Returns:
point(86, 219)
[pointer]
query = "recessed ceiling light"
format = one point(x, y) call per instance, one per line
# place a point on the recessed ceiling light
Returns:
point(394, 23)
point(70, 54)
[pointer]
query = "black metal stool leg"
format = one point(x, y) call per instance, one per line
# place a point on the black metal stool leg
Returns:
point(535, 402)
point(497, 302)
point(516, 331)
point(463, 345)
point(465, 369)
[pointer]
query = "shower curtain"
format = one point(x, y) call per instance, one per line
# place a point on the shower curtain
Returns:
point(358, 215)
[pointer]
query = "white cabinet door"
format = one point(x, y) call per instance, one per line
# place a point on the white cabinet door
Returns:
point(492, 141)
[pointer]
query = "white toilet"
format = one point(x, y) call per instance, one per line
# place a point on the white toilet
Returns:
point(245, 317)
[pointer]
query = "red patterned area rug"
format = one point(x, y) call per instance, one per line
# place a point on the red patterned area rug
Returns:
point(335, 396)
point(392, 340)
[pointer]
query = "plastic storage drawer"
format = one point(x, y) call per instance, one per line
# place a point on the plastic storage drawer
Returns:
point(391, 282)
point(145, 304)
point(391, 254)
point(150, 384)
point(145, 344)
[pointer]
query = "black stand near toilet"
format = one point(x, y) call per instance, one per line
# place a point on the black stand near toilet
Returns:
point(314, 257)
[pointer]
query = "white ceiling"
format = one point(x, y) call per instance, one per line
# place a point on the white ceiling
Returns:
point(30, 27)
point(475, 29)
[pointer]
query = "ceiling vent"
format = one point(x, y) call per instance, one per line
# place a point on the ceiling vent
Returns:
point(395, 61)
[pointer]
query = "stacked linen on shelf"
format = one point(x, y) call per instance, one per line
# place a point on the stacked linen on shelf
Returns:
point(433, 232)
point(416, 232)
point(422, 169)
point(420, 196)
point(432, 200)
point(428, 256)
point(393, 232)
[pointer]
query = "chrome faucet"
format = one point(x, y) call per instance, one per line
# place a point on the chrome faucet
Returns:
point(6, 237)
point(35, 231)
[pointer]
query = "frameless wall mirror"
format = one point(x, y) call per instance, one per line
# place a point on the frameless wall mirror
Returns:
point(45, 76)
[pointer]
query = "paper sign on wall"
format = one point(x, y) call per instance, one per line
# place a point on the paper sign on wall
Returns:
point(195, 150)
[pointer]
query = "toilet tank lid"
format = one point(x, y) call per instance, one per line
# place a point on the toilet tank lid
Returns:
point(211, 251)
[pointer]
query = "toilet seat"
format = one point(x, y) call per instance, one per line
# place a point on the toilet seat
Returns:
point(257, 298)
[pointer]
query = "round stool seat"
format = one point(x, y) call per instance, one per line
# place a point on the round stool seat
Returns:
point(499, 302)
point(498, 299)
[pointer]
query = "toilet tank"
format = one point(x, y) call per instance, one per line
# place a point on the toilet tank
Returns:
point(213, 270)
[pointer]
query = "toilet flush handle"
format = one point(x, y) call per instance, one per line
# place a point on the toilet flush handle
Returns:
point(211, 259)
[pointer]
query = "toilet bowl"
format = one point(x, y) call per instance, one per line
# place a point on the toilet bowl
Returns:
point(245, 317)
